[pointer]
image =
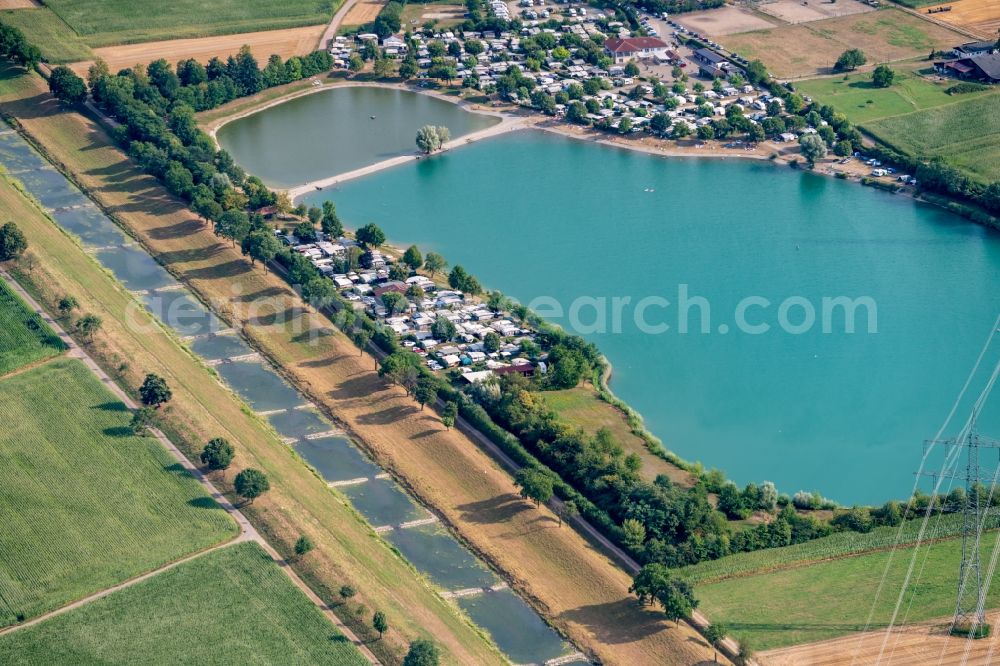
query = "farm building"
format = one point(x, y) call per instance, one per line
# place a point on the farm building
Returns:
point(971, 49)
point(623, 50)
point(984, 68)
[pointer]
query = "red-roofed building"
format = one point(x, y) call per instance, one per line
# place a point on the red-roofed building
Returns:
point(523, 369)
point(623, 50)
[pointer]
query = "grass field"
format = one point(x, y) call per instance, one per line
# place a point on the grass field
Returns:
point(841, 544)
point(129, 345)
point(230, 606)
point(965, 134)
point(788, 613)
point(582, 592)
point(581, 407)
point(85, 504)
point(807, 49)
point(856, 97)
point(108, 22)
point(24, 337)
point(58, 42)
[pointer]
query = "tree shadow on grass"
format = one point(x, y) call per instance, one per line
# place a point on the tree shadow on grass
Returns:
point(622, 621)
point(112, 406)
point(118, 431)
point(179, 230)
point(388, 415)
point(203, 503)
point(227, 270)
point(499, 509)
point(350, 389)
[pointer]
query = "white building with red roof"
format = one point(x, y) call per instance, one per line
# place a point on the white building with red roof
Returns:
point(634, 48)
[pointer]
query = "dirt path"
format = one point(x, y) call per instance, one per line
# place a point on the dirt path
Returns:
point(331, 29)
point(247, 531)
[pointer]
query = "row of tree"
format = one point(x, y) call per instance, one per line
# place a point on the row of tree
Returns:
point(16, 48)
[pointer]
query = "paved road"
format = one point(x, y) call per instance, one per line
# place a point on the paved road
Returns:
point(247, 531)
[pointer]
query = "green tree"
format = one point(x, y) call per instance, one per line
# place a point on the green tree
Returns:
point(412, 257)
point(422, 653)
point(356, 63)
point(394, 302)
point(319, 292)
point(883, 76)
point(66, 305)
point(67, 87)
point(12, 242)
point(251, 483)
point(330, 222)
point(261, 246)
point(715, 633)
point(634, 533)
point(650, 582)
point(346, 592)
point(534, 485)
point(88, 324)
point(492, 342)
point(154, 391)
point(426, 391)
point(303, 546)
point(380, 623)
point(631, 68)
point(434, 262)
point(361, 337)
point(142, 419)
point(370, 235)
point(813, 147)
point(449, 414)
point(233, 224)
point(443, 329)
point(843, 148)
point(850, 60)
point(217, 454)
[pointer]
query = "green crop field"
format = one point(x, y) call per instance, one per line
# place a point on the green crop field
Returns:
point(109, 22)
point(788, 613)
point(24, 337)
point(841, 544)
point(965, 134)
point(230, 606)
point(48, 32)
point(856, 97)
point(84, 504)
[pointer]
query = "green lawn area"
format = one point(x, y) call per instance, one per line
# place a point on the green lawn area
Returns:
point(965, 134)
point(84, 504)
point(48, 32)
point(581, 407)
point(230, 606)
point(24, 337)
point(856, 97)
point(780, 608)
point(108, 22)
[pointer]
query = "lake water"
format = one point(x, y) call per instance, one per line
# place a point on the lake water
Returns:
point(333, 131)
point(540, 216)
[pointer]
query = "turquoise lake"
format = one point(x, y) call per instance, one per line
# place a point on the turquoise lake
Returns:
point(542, 216)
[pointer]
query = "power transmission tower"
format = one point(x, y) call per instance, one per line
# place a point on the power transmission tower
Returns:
point(976, 511)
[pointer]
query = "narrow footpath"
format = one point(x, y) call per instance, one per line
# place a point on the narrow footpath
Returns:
point(247, 531)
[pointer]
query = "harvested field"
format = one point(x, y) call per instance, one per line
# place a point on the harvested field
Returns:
point(726, 20)
point(86, 505)
point(286, 43)
point(979, 16)
point(926, 643)
point(580, 590)
point(362, 12)
point(812, 48)
point(796, 11)
point(218, 608)
point(18, 4)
